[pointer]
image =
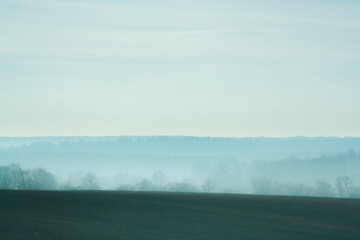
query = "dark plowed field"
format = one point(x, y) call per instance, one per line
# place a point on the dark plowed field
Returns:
point(127, 215)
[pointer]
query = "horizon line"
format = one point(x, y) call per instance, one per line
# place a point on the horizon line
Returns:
point(184, 136)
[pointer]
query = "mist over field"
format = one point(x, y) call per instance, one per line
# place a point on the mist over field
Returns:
point(278, 166)
point(231, 70)
point(159, 119)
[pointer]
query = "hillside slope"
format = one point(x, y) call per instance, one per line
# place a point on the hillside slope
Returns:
point(136, 215)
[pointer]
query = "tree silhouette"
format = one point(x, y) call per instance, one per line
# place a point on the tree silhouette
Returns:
point(89, 182)
point(209, 184)
point(344, 186)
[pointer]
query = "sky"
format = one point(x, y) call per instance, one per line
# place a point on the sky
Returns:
point(229, 68)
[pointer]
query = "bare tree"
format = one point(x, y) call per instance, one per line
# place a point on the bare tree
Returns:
point(11, 177)
point(323, 189)
point(145, 185)
point(344, 186)
point(27, 181)
point(4, 178)
point(261, 186)
point(42, 179)
point(89, 182)
point(209, 184)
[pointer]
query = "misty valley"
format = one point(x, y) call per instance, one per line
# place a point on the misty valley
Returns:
point(158, 187)
point(298, 166)
point(179, 120)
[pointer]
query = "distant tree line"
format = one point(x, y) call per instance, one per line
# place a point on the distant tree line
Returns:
point(343, 187)
point(184, 186)
point(14, 177)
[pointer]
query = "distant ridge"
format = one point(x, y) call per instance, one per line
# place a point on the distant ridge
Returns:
point(18, 141)
point(148, 147)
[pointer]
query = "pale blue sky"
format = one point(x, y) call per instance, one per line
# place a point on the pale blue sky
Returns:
point(204, 68)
